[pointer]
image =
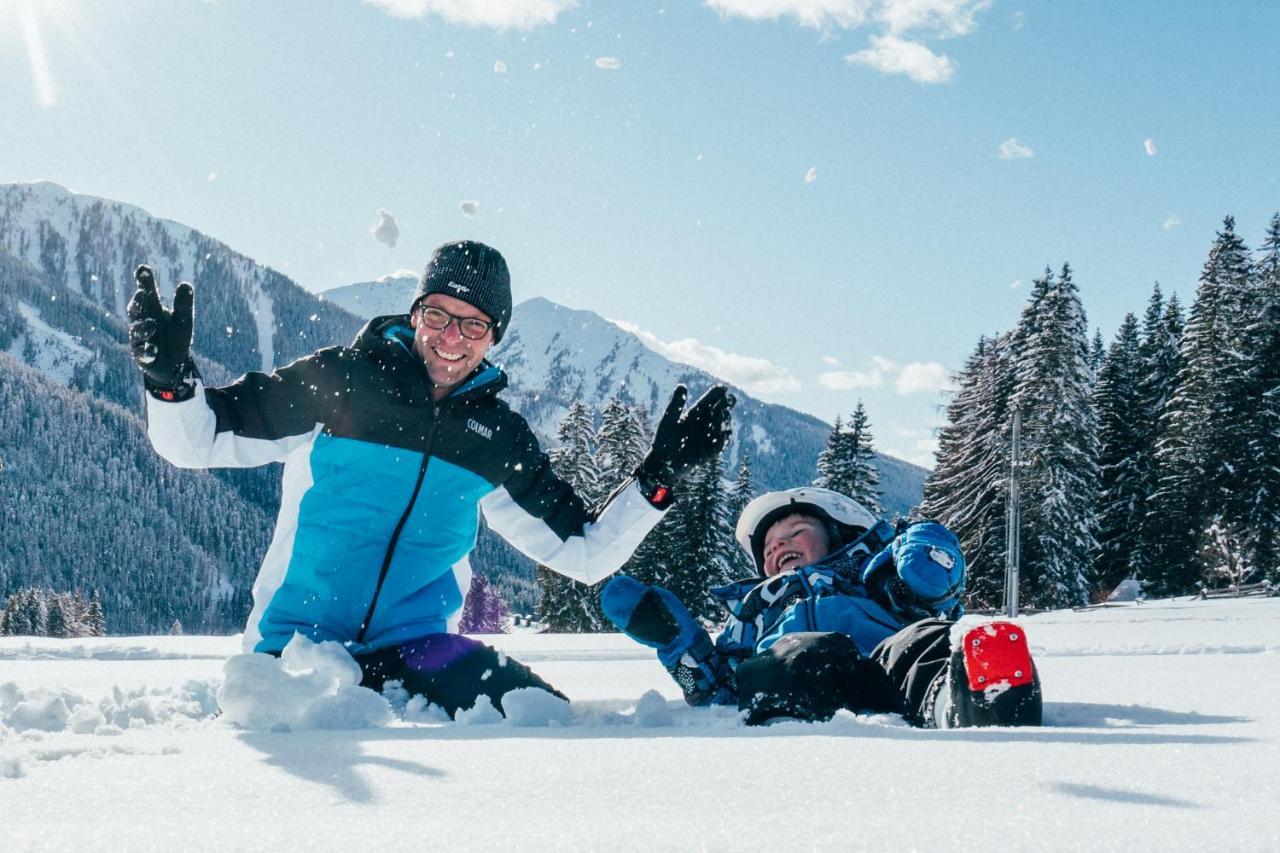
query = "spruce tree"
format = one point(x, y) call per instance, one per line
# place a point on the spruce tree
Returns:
point(1161, 332)
point(1262, 481)
point(700, 540)
point(969, 487)
point(57, 621)
point(621, 443)
point(1122, 499)
point(847, 464)
point(1059, 431)
point(1199, 438)
point(739, 495)
point(567, 605)
point(95, 621)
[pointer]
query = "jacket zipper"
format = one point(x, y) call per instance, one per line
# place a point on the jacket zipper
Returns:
point(404, 518)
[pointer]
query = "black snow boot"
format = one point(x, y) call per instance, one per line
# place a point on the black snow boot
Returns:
point(991, 681)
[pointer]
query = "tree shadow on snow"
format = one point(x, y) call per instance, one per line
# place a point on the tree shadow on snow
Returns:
point(1097, 715)
point(1119, 795)
point(332, 758)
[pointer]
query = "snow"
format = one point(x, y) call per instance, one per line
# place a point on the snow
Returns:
point(57, 354)
point(1162, 722)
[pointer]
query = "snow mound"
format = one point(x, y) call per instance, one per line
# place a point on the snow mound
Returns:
point(43, 709)
point(532, 707)
point(652, 711)
point(310, 686)
point(480, 714)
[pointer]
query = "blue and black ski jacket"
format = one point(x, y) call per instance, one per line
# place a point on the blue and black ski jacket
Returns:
point(381, 486)
point(869, 590)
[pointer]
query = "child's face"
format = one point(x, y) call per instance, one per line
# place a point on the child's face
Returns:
point(792, 542)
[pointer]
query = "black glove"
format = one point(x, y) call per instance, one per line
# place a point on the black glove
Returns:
point(685, 439)
point(161, 338)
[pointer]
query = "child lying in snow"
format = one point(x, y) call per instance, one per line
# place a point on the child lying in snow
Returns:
point(846, 613)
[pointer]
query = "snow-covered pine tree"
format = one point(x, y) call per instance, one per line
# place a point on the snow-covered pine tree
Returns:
point(1059, 432)
point(30, 614)
point(1121, 499)
point(176, 629)
point(569, 606)
point(1201, 428)
point(739, 495)
point(699, 540)
point(1263, 475)
point(7, 617)
point(95, 621)
point(57, 620)
point(621, 443)
point(1161, 332)
point(484, 611)
point(847, 464)
point(969, 487)
point(1097, 351)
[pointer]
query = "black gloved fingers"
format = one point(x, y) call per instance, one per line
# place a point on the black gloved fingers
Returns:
point(675, 408)
point(183, 310)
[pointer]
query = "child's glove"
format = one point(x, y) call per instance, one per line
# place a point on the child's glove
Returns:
point(655, 617)
point(922, 569)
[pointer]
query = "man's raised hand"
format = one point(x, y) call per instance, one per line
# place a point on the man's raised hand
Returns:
point(161, 338)
point(684, 439)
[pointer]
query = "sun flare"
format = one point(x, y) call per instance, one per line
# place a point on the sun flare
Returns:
point(28, 15)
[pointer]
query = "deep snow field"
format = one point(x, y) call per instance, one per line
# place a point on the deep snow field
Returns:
point(1162, 733)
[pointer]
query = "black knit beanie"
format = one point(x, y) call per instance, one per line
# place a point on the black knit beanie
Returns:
point(473, 272)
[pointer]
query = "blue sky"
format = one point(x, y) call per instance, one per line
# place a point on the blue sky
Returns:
point(822, 200)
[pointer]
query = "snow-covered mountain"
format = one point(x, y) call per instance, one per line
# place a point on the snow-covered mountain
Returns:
point(251, 317)
point(555, 356)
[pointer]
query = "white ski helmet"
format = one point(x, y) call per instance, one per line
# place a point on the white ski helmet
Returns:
point(846, 514)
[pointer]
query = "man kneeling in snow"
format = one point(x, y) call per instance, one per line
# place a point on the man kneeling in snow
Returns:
point(389, 446)
point(846, 612)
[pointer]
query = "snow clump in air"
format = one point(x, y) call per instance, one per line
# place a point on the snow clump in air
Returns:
point(608, 63)
point(470, 208)
point(310, 686)
point(385, 230)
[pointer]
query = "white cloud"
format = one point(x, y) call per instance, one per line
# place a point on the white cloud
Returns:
point(811, 175)
point(754, 375)
point(499, 14)
point(893, 55)
point(385, 230)
point(945, 17)
point(1171, 222)
point(1019, 20)
point(1150, 145)
point(470, 208)
point(923, 377)
point(831, 361)
point(1012, 149)
point(608, 63)
point(849, 380)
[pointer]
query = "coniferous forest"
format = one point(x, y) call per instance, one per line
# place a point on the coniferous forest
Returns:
point(1156, 457)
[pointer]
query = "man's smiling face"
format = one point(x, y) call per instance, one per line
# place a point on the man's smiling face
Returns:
point(448, 355)
point(794, 541)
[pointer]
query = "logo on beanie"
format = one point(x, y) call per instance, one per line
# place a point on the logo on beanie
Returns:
point(458, 288)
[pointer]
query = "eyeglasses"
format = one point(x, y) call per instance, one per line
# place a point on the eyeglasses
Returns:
point(472, 328)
